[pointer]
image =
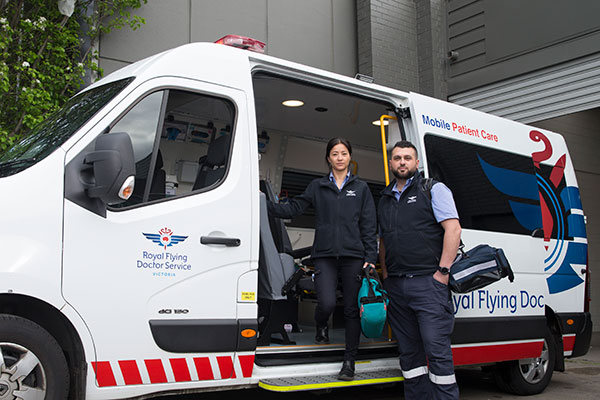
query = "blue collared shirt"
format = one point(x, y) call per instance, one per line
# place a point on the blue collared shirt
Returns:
point(442, 200)
point(332, 179)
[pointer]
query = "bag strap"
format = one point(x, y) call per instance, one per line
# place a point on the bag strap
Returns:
point(461, 248)
point(511, 275)
point(426, 185)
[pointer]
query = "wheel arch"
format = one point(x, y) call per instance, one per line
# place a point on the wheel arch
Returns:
point(59, 326)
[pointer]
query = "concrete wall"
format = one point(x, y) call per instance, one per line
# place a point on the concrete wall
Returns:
point(431, 41)
point(401, 44)
point(320, 33)
point(580, 130)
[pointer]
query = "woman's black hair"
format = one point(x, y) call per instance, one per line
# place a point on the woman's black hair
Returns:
point(334, 142)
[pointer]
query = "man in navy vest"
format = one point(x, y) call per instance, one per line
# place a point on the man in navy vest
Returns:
point(419, 238)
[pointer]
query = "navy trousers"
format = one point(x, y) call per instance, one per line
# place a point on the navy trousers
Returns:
point(326, 280)
point(422, 320)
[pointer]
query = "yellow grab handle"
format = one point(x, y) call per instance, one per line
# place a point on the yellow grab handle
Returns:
point(384, 147)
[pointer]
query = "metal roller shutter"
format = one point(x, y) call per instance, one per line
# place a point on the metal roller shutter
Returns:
point(551, 92)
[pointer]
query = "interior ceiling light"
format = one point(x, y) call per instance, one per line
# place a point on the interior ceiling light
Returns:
point(293, 103)
point(378, 123)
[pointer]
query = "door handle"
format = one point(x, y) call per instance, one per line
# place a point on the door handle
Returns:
point(229, 242)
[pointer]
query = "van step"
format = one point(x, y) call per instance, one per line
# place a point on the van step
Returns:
point(316, 382)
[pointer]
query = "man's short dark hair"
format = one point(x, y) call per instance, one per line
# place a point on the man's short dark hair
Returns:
point(404, 144)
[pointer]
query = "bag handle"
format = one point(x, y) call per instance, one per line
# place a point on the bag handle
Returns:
point(370, 273)
point(367, 271)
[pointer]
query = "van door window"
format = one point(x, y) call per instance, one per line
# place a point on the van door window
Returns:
point(494, 190)
point(141, 123)
point(181, 142)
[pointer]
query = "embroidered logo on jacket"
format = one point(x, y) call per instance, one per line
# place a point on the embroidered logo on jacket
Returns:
point(411, 199)
point(350, 193)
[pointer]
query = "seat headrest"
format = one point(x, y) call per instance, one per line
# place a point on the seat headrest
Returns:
point(218, 151)
point(267, 189)
point(159, 161)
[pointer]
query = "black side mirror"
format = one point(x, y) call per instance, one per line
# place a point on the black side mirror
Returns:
point(112, 168)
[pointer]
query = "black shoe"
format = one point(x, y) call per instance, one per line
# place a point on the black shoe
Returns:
point(322, 335)
point(347, 371)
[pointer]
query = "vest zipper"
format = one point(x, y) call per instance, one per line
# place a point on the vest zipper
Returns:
point(337, 225)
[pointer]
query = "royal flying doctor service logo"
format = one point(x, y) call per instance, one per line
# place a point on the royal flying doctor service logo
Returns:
point(164, 238)
point(351, 193)
point(411, 199)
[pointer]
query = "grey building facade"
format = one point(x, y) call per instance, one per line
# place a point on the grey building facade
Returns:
point(536, 61)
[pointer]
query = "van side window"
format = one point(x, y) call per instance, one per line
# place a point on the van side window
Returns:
point(181, 143)
point(494, 190)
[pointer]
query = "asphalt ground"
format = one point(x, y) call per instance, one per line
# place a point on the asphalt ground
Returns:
point(580, 381)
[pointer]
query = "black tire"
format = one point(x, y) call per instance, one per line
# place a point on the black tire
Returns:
point(28, 350)
point(530, 376)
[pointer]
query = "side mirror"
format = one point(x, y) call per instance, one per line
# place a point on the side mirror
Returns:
point(112, 168)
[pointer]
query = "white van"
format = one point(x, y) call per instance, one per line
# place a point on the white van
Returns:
point(179, 287)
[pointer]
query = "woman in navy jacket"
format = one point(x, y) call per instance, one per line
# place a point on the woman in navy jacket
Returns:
point(345, 242)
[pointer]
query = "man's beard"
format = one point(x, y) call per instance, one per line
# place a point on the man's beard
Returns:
point(407, 175)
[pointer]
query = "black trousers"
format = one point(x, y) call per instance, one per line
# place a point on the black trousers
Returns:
point(326, 279)
point(422, 319)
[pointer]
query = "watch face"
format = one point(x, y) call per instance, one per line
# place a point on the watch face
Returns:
point(444, 270)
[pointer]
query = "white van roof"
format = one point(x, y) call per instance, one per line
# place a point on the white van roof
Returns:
point(228, 66)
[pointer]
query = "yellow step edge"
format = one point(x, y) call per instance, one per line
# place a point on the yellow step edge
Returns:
point(328, 385)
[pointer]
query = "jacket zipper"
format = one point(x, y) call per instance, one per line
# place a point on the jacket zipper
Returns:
point(337, 225)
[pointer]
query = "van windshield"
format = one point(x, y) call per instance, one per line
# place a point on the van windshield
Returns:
point(56, 129)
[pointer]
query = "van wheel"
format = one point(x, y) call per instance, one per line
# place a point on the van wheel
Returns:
point(32, 364)
point(528, 376)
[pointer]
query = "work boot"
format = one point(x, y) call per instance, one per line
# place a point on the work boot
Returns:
point(322, 336)
point(347, 371)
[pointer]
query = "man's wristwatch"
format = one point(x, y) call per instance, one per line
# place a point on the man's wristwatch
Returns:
point(444, 270)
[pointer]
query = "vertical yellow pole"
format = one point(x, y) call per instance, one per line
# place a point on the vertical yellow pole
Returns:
point(384, 147)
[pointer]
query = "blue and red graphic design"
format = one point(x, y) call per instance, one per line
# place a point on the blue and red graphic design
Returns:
point(562, 218)
point(559, 213)
point(164, 238)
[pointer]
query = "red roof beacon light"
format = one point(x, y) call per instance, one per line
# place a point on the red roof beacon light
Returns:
point(242, 42)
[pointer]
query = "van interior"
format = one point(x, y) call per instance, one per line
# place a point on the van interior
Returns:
point(292, 143)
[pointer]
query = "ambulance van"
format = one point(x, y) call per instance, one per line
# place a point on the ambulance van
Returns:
point(138, 258)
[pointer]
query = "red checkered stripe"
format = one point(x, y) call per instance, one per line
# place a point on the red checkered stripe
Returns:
point(179, 369)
